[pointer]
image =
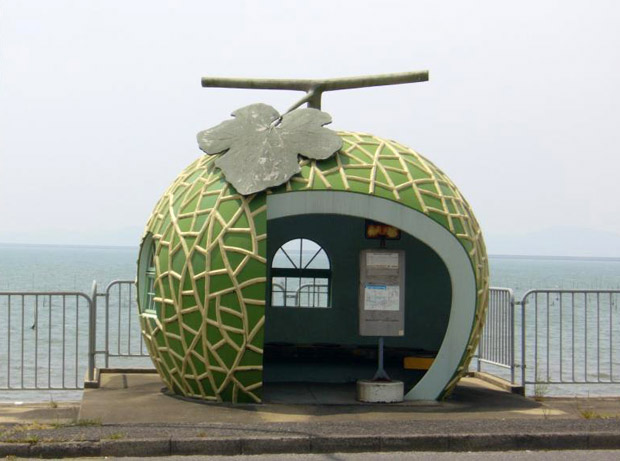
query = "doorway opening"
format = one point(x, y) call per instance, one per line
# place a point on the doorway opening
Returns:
point(312, 312)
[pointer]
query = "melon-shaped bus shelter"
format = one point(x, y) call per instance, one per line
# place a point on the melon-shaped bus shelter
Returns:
point(206, 285)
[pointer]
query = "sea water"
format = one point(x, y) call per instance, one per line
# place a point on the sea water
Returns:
point(523, 273)
point(66, 268)
point(74, 268)
point(569, 337)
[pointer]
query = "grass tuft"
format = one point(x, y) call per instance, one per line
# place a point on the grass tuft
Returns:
point(88, 422)
point(540, 391)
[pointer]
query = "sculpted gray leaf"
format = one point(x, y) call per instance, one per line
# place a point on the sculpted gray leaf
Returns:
point(259, 149)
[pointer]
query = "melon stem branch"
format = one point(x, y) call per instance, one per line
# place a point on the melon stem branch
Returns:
point(315, 88)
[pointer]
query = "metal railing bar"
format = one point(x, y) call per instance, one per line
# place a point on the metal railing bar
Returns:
point(36, 341)
point(77, 336)
point(491, 362)
point(536, 336)
point(512, 337)
point(22, 339)
point(43, 293)
point(49, 341)
point(523, 332)
point(118, 340)
point(576, 291)
point(493, 328)
point(561, 336)
point(107, 326)
point(8, 361)
point(598, 338)
point(64, 336)
point(611, 340)
point(564, 383)
point(573, 342)
point(492, 331)
point(129, 323)
point(548, 332)
point(585, 334)
point(505, 331)
point(92, 331)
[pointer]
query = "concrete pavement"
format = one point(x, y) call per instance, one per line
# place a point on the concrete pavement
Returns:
point(130, 415)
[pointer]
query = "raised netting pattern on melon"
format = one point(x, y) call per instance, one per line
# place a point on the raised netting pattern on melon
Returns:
point(210, 247)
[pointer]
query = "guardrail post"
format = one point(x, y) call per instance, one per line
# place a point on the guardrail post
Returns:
point(523, 301)
point(512, 337)
point(92, 332)
point(107, 325)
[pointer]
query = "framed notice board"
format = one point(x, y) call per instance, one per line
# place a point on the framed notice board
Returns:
point(382, 293)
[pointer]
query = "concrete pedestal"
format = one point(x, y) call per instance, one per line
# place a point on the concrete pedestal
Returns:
point(380, 391)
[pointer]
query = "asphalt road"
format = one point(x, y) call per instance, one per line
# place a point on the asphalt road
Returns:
point(578, 455)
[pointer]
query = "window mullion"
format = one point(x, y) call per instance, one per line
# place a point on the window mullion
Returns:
point(287, 256)
point(312, 259)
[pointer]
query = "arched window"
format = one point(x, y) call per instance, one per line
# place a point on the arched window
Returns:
point(150, 285)
point(146, 276)
point(300, 275)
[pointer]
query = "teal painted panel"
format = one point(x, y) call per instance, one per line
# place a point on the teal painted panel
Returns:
point(427, 296)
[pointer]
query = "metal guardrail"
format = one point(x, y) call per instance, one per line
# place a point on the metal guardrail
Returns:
point(296, 295)
point(122, 335)
point(559, 337)
point(570, 337)
point(497, 341)
point(49, 339)
point(314, 291)
point(46, 339)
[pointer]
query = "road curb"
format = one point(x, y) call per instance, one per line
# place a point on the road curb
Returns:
point(68, 449)
point(314, 444)
point(136, 447)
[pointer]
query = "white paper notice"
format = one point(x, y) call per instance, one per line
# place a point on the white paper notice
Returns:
point(381, 297)
point(384, 260)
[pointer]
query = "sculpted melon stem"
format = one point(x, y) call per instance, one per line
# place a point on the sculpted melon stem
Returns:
point(314, 88)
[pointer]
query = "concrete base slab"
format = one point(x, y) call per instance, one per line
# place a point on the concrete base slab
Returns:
point(124, 398)
point(380, 391)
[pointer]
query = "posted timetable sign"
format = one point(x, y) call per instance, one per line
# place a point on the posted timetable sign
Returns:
point(382, 293)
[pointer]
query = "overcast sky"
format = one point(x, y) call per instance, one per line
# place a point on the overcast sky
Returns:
point(101, 101)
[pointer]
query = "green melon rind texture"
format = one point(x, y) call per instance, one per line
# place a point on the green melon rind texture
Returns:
point(210, 243)
point(206, 340)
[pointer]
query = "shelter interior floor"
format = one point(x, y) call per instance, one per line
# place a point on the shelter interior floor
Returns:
point(310, 393)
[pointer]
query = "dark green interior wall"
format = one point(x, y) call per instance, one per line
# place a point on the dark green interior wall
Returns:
point(427, 293)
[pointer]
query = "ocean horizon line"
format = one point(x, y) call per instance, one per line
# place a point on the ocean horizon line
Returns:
point(557, 257)
point(135, 247)
point(68, 245)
